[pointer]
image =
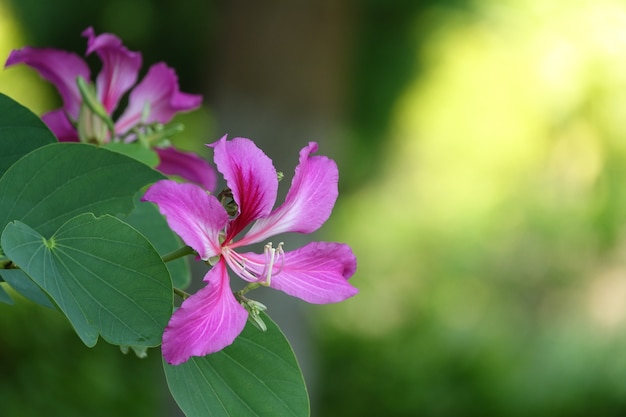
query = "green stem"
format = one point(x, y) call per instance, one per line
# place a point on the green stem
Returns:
point(251, 286)
point(178, 253)
point(182, 294)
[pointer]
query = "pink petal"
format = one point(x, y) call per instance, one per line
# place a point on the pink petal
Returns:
point(159, 93)
point(206, 322)
point(59, 124)
point(317, 273)
point(186, 165)
point(250, 175)
point(61, 68)
point(192, 213)
point(308, 203)
point(120, 67)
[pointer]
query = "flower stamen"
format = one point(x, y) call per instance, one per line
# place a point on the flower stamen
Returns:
point(238, 264)
point(271, 255)
point(255, 272)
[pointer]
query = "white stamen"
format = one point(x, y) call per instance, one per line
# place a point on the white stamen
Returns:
point(269, 259)
point(271, 255)
point(259, 272)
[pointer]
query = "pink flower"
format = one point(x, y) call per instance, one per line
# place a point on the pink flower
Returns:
point(318, 272)
point(156, 99)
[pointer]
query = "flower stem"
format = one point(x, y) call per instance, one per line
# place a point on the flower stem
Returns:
point(182, 294)
point(178, 253)
point(251, 286)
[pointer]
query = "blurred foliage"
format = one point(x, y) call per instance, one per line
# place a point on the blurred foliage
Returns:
point(384, 62)
point(70, 380)
point(428, 369)
point(491, 244)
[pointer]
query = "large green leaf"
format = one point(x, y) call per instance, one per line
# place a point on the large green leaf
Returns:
point(56, 182)
point(256, 376)
point(147, 219)
point(20, 132)
point(103, 274)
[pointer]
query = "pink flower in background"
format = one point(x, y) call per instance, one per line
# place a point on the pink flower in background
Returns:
point(318, 272)
point(156, 99)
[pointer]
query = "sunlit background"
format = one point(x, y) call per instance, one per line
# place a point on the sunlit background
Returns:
point(482, 152)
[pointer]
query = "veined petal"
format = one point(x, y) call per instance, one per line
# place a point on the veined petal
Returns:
point(308, 203)
point(206, 322)
point(159, 93)
point(61, 68)
point(119, 67)
point(58, 123)
point(250, 175)
point(317, 273)
point(192, 213)
point(186, 165)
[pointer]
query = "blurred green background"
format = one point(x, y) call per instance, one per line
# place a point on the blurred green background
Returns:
point(482, 152)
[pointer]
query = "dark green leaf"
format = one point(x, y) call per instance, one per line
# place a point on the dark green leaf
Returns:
point(4, 297)
point(56, 182)
point(257, 376)
point(136, 151)
point(25, 286)
point(103, 274)
point(21, 131)
point(147, 219)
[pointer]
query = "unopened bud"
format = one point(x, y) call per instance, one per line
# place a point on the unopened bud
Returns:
point(94, 123)
point(254, 313)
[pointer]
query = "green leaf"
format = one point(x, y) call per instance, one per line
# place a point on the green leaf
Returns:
point(147, 220)
point(103, 274)
point(4, 297)
point(56, 182)
point(256, 376)
point(136, 151)
point(21, 131)
point(25, 286)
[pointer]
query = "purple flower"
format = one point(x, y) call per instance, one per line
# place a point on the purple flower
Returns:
point(155, 100)
point(318, 272)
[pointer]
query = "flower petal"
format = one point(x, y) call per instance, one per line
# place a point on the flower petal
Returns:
point(61, 68)
point(59, 124)
point(194, 215)
point(250, 175)
point(158, 92)
point(186, 165)
point(120, 67)
point(206, 322)
point(308, 203)
point(317, 273)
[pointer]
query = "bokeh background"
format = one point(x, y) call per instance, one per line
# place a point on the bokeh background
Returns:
point(482, 152)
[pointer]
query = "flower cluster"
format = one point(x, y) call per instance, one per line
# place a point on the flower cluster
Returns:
point(87, 111)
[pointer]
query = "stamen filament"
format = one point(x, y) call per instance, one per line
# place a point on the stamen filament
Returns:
point(269, 252)
point(238, 264)
point(254, 271)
